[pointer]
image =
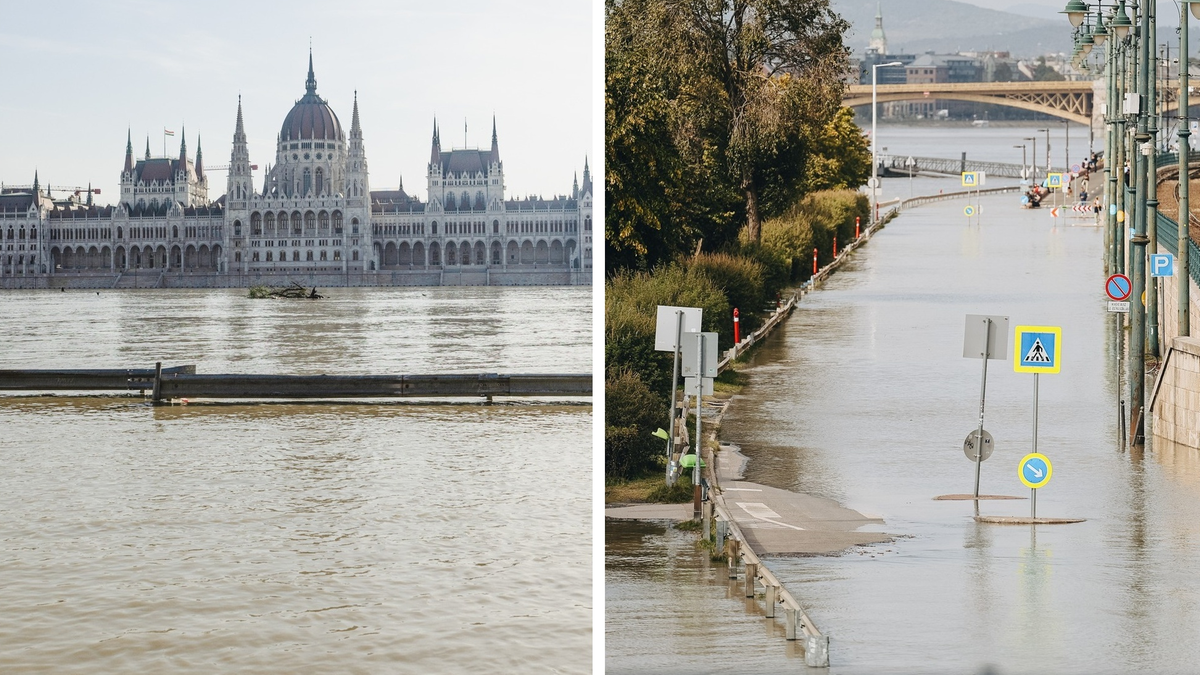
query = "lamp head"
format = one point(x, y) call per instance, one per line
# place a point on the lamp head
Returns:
point(1120, 23)
point(1100, 32)
point(1194, 5)
point(1075, 11)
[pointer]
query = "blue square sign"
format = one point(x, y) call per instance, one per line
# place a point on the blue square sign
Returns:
point(1162, 265)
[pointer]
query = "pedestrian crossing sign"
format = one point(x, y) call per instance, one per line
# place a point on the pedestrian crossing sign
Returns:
point(1054, 180)
point(970, 179)
point(1038, 349)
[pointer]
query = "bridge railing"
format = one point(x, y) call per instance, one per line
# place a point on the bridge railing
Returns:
point(957, 166)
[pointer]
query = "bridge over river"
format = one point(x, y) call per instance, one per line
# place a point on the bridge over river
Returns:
point(1069, 100)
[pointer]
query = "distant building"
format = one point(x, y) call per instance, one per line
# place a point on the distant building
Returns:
point(315, 220)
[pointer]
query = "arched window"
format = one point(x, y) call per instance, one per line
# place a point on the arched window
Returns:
point(175, 231)
point(237, 256)
point(308, 257)
point(256, 224)
point(237, 228)
point(320, 182)
point(433, 227)
point(354, 255)
point(323, 221)
point(337, 222)
point(120, 234)
point(269, 221)
point(296, 225)
point(466, 200)
point(307, 183)
point(450, 203)
point(354, 225)
point(495, 227)
point(479, 205)
point(270, 257)
point(310, 221)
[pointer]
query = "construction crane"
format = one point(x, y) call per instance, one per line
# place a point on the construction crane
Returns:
point(225, 167)
point(70, 188)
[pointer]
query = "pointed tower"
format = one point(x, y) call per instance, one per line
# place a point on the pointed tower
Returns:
point(89, 197)
point(356, 178)
point(435, 152)
point(199, 162)
point(587, 178)
point(238, 182)
point(575, 187)
point(878, 44)
point(147, 147)
point(35, 182)
point(495, 158)
point(310, 84)
point(182, 148)
point(128, 154)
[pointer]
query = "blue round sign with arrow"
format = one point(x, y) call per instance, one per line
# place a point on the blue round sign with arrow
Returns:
point(1035, 470)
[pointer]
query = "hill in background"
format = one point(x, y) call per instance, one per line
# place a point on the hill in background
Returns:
point(945, 26)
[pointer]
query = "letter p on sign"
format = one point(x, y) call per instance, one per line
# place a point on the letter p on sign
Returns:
point(1162, 265)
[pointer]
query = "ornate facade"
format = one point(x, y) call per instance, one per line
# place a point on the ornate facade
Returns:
point(314, 220)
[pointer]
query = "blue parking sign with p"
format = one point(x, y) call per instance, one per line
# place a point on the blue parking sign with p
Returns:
point(1162, 265)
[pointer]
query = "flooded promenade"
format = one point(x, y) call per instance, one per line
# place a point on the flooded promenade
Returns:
point(400, 537)
point(864, 398)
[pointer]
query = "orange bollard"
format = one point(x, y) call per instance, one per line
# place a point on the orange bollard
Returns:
point(835, 245)
point(857, 223)
point(814, 262)
point(737, 333)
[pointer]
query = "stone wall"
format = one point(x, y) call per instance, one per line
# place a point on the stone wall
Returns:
point(1176, 400)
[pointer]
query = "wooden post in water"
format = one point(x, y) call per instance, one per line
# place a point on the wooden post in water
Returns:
point(771, 592)
point(790, 623)
point(751, 572)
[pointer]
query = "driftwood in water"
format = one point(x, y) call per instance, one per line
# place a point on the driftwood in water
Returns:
point(293, 291)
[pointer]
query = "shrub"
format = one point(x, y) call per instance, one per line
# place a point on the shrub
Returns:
point(631, 302)
point(632, 412)
point(741, 280)
point(812, 223)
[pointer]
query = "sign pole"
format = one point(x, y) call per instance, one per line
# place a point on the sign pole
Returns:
point(1033, 492)
point(696, 445)
point(987, 352)
point(674, 387)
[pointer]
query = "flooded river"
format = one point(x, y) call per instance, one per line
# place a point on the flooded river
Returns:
point(399, 537)
point(864, 397)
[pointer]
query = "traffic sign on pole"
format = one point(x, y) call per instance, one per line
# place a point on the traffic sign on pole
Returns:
point(1035, 470)
point(968, 210)
point(1162, 265)
point(1118, 287)
point(970, 179)
point(1038, 349)
point(1054, 181)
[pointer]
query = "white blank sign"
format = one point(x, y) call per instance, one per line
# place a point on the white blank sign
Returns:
point(667, 326)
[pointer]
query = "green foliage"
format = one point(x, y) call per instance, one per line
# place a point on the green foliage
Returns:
point(741, 280)
point(813, 223)
point(679, 493)
point(631, 302)
point(1044, 72)
point(632, 412)
point(840, 157)
point(717, 111)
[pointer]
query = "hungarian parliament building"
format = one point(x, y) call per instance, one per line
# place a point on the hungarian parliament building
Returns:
point(314, 220)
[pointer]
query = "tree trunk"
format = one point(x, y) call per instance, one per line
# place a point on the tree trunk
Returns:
point(753, 225)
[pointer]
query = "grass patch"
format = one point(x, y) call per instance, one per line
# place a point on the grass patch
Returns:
point(688, 525)
point(649, 490)
point(730, 382)
point(679, 493)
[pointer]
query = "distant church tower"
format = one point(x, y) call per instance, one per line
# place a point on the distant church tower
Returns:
point(878, 43)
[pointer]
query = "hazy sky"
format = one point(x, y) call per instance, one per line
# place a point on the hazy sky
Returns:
point(76, 75)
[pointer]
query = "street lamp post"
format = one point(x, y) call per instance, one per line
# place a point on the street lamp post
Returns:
point(874, 183)
point(1183, 277)
point(1024, 161)
point(1033, 168)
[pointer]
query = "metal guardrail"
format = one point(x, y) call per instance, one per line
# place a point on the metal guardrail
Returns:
point(183, 382)
point(954, 167)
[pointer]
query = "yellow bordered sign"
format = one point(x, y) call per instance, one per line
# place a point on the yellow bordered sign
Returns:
point(1035, 470)
point(970, 179)
point(1037, 349)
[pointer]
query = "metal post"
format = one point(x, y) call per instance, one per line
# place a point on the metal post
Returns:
point(1033, 493)
point(699, 440)
point(1137, 259)
point(769, 604)
point(674, 386)
point(987, 351)
point(1110, 151)
point(1152, 187)
point(1067, 144)
point(751, 572)
point(874, 181)
point(1183, 277)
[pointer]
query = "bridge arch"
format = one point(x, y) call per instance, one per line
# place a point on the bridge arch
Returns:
point(1072, 100)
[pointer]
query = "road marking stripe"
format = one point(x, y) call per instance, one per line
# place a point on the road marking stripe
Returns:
point(760, 511)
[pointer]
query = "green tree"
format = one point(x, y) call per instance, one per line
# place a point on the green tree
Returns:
point(840, 157)
point(759, 72)
point(1045, 72)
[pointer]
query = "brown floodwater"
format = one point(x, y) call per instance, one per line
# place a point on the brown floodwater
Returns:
point(864, 397)
point(395, 537)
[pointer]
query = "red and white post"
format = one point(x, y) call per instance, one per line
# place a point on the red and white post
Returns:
point(737, 333)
